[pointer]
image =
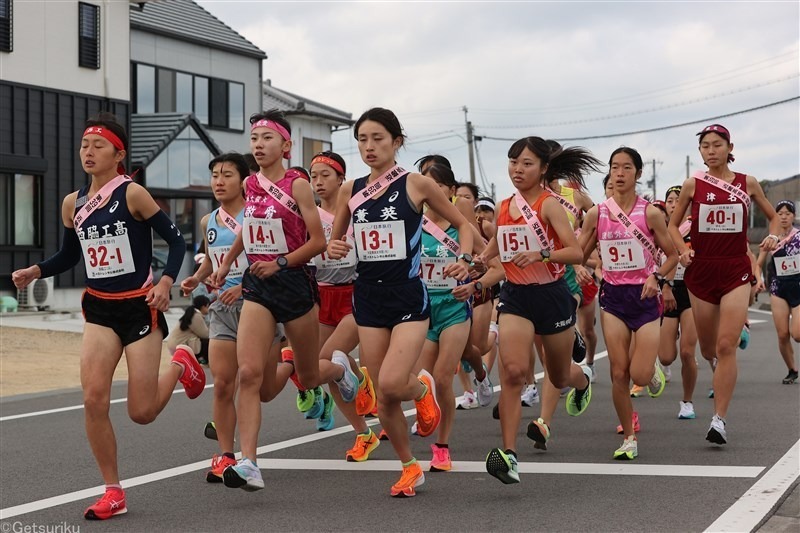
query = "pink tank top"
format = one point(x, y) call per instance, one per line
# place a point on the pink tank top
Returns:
point(269, 228)
point(625, 261)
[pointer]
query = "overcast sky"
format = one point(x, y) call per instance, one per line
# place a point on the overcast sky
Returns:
point(557, 70)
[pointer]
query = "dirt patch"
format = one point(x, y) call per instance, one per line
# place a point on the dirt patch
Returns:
point(34, 360)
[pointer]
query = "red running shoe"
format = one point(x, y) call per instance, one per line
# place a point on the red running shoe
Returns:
point(193, 377)
point(218, 465)
point(111, 504)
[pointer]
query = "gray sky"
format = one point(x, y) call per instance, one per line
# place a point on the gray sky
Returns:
point(557, 70)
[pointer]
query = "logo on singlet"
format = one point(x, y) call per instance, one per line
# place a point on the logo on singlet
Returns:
point(113, 207)
point(211, 235)
point(394, 196)
point(406, 317)
point(744, 278)
point(144, 330)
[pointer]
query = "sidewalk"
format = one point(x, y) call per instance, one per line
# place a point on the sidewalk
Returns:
point(66, 321)
point(787, 517)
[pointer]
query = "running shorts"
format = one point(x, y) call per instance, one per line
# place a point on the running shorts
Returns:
point(336, 302)
point(383, 305)
point(712, 278)
point(287, 294)
point(446, 311)
point(625, 302)
point(126, 313)
point(550, 307)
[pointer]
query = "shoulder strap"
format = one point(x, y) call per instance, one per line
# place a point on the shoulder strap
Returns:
point(643, 239)
point(725, 186)
point(278, 195)
point(375, 187)
point(532, 220)
point(440, 235)
point(97, 200)
point(230, 221)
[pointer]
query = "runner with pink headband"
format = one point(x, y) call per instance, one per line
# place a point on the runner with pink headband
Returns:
point(271, 124)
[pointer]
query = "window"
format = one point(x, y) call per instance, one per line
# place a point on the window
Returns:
point(201, 99)
point(312, 147)
point(219, 104)
point(236, 106)
point(183, 92)
point(145, 89)
point(6, 26)
point(19, 220)
point(88, 35)
point(166, 91)
point(183, 164)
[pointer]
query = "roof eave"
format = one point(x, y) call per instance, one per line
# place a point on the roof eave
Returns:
point(148, 29)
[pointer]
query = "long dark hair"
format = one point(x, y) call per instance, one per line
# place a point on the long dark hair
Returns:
point(569, 163)
point(197, 303)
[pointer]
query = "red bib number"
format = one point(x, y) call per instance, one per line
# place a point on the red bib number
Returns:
point(381, 241)
point(622, 255)
point(512, 240)
point(725, 218)
point(107, 257)
point(264, 236)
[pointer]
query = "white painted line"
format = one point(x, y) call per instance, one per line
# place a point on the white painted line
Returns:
point(749, 510)
point(756, 321)
point(610, 469)
point(760, 311)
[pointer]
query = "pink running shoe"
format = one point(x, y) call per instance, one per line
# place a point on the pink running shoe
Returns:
point(635, 420)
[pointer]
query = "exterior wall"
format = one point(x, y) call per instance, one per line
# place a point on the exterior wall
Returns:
point(171, 53)
point(45, 50)
point(306, 128)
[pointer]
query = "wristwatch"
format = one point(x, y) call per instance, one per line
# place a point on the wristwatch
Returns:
point(545, 255)
point(466, 257)
point(478, 286)
point(282, 262)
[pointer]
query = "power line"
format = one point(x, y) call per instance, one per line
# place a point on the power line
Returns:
point(662, 128)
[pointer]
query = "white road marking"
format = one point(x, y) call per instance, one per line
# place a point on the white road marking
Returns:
point(759, 311)
point(751, 509)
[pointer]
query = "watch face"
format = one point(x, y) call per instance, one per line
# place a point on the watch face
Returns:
point(478, 286)
point(467, 258)
point(282, 262)
point(545, 253)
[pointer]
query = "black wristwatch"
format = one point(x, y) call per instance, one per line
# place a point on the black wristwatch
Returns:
point(545, 255)
point(282, 262)
point(466, 257)
point(478, 286)
point(660, 279)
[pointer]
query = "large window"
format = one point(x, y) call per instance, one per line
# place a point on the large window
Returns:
point(183, 164)
point(312, 147)
point(6, 25)
point(19, 216)
point(88, 35)
point(215, 102)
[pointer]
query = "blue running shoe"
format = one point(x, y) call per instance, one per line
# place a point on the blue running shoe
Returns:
point(325, 421)
point(466, 366)
point(744, 337)
point(319, 404)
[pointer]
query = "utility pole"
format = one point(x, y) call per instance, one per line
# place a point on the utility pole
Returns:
point(494, 193)
point(470, 147)
point(687, 167)
point(652, 182)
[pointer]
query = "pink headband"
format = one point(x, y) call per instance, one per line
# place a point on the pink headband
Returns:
point(271, 124)
point(111, 137)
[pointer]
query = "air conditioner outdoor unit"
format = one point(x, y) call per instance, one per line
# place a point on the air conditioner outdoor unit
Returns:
point(37, 295)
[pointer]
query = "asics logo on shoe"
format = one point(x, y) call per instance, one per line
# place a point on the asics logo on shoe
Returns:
point(116, 504)
point(113, 207)
point(144, 330)
point(394, 196)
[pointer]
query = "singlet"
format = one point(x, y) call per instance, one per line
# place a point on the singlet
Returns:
point(269, 228)
point(624, 259)
point(435, 257)
point(785, 262)
point(568, 194)
point(220, 239)
point(388, 232)
point(117, 248)
point(719, 220)
point(514, 236)
point(334, 271)
point(680, 270)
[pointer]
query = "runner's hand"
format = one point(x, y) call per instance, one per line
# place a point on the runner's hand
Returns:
point(463, 292)
point(24, 276)
point(338, 248)
point(217, 278)
point(457, 270)
point(686, 257)
point(582, 275)
point(264, 269)
point(158, 296)
point(188, 285)
point(524, 259)
point(670, 303)
point(232, 295)
point(768, 244)
point(650, 288)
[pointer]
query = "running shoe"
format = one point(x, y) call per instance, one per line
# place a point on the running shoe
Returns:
point(790, 378)
point(496, 411)
point(218, 465)
point(210, 431)
point(716, 432)
point(415, 429)
point(744, 337)
point(668, 373)
point(503, 466)
point(636, 391)
point(465, 366)
point(578, 348)
point(373, 413)
point(287, 356)
point(318, 405)
point(578, 400)
point(711, 393)
point(383, 435)
point(441, 459)
point(657, 382)
point(468, 401)
point(365, 445)
point(193, 377)
point(564, 392)
point(687, 411)
point(529, 396)
point(539, 433)
point(411, 478)
point(628, 451)
point(111, 504)
point(348, 384)
point(366, 401)
point(635, 421)
point(325, 421)
point(428, 412)
point(594, 374)
point(245, 475)
point(485, 389)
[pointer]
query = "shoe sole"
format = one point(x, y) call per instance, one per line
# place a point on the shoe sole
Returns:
point(210, 432)
point(460, 407)
point(213, 478)
point(497, 467)
point(351, 459)
point(625, 457)
point(90, 515)
point(346, 364)
point(688, 417)
point(434, 469)
point(587, 395)
point(232, 480)
point(715, 437)
point(535, 434)
point(408, 492)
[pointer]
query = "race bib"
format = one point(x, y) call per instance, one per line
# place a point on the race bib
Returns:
point(512, 240)
point(107, 257)
point(622, 254)
point(381, 241)
point(218, 256)
point(680, 272)
point(264, 236)
point(433, 272)
point(787, 266)
point(725, 218)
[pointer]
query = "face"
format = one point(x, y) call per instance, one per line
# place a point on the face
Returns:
point(267, 146)
point(485, 215)
point(526, 170)
point(376, 145)
point(325, 181)
point(715, 149)
point(785, 217)
point(672, 201)
point(623, 173)
point(98, 155)
point(226, 182)
point(609, 188)
point(464, 192)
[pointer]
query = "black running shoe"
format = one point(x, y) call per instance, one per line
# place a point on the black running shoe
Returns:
point(790, 378)
point(578, 348)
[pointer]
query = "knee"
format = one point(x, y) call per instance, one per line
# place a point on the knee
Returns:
point(514, 374)
point(223, 388)
point(783, 336)
point(250, 375)
point(443, 379)
point(96, 403)
point(141, 415)
point(687, 357)
point(726, 346)
point(620, 376)
point(392, 390)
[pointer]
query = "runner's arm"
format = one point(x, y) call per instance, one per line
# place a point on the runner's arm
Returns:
point(588, 237)
point(315, 245)
point(69, 254)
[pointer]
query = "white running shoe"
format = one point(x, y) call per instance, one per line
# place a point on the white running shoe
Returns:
point(348, 384)
point(629, 449)
point(245, 475)
point(668, 373)
point(414, 430)
point(530, 396)
point(716, 432)
point(594, 374)
point(687, 411)
point(485, 390)
point(469, 401)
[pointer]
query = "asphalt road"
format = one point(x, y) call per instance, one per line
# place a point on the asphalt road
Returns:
point(679, 482)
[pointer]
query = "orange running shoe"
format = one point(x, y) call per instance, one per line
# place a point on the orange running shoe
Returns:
point(111, 504)
point(366, 400)
point(193, 377)
point(218, 465)
point(287, 356)
point(364, 446)
point(428, 412)
point(383, 435)
point(411, 478)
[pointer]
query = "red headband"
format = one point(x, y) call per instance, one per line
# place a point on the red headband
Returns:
point(327, 161)
point(111, 137)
